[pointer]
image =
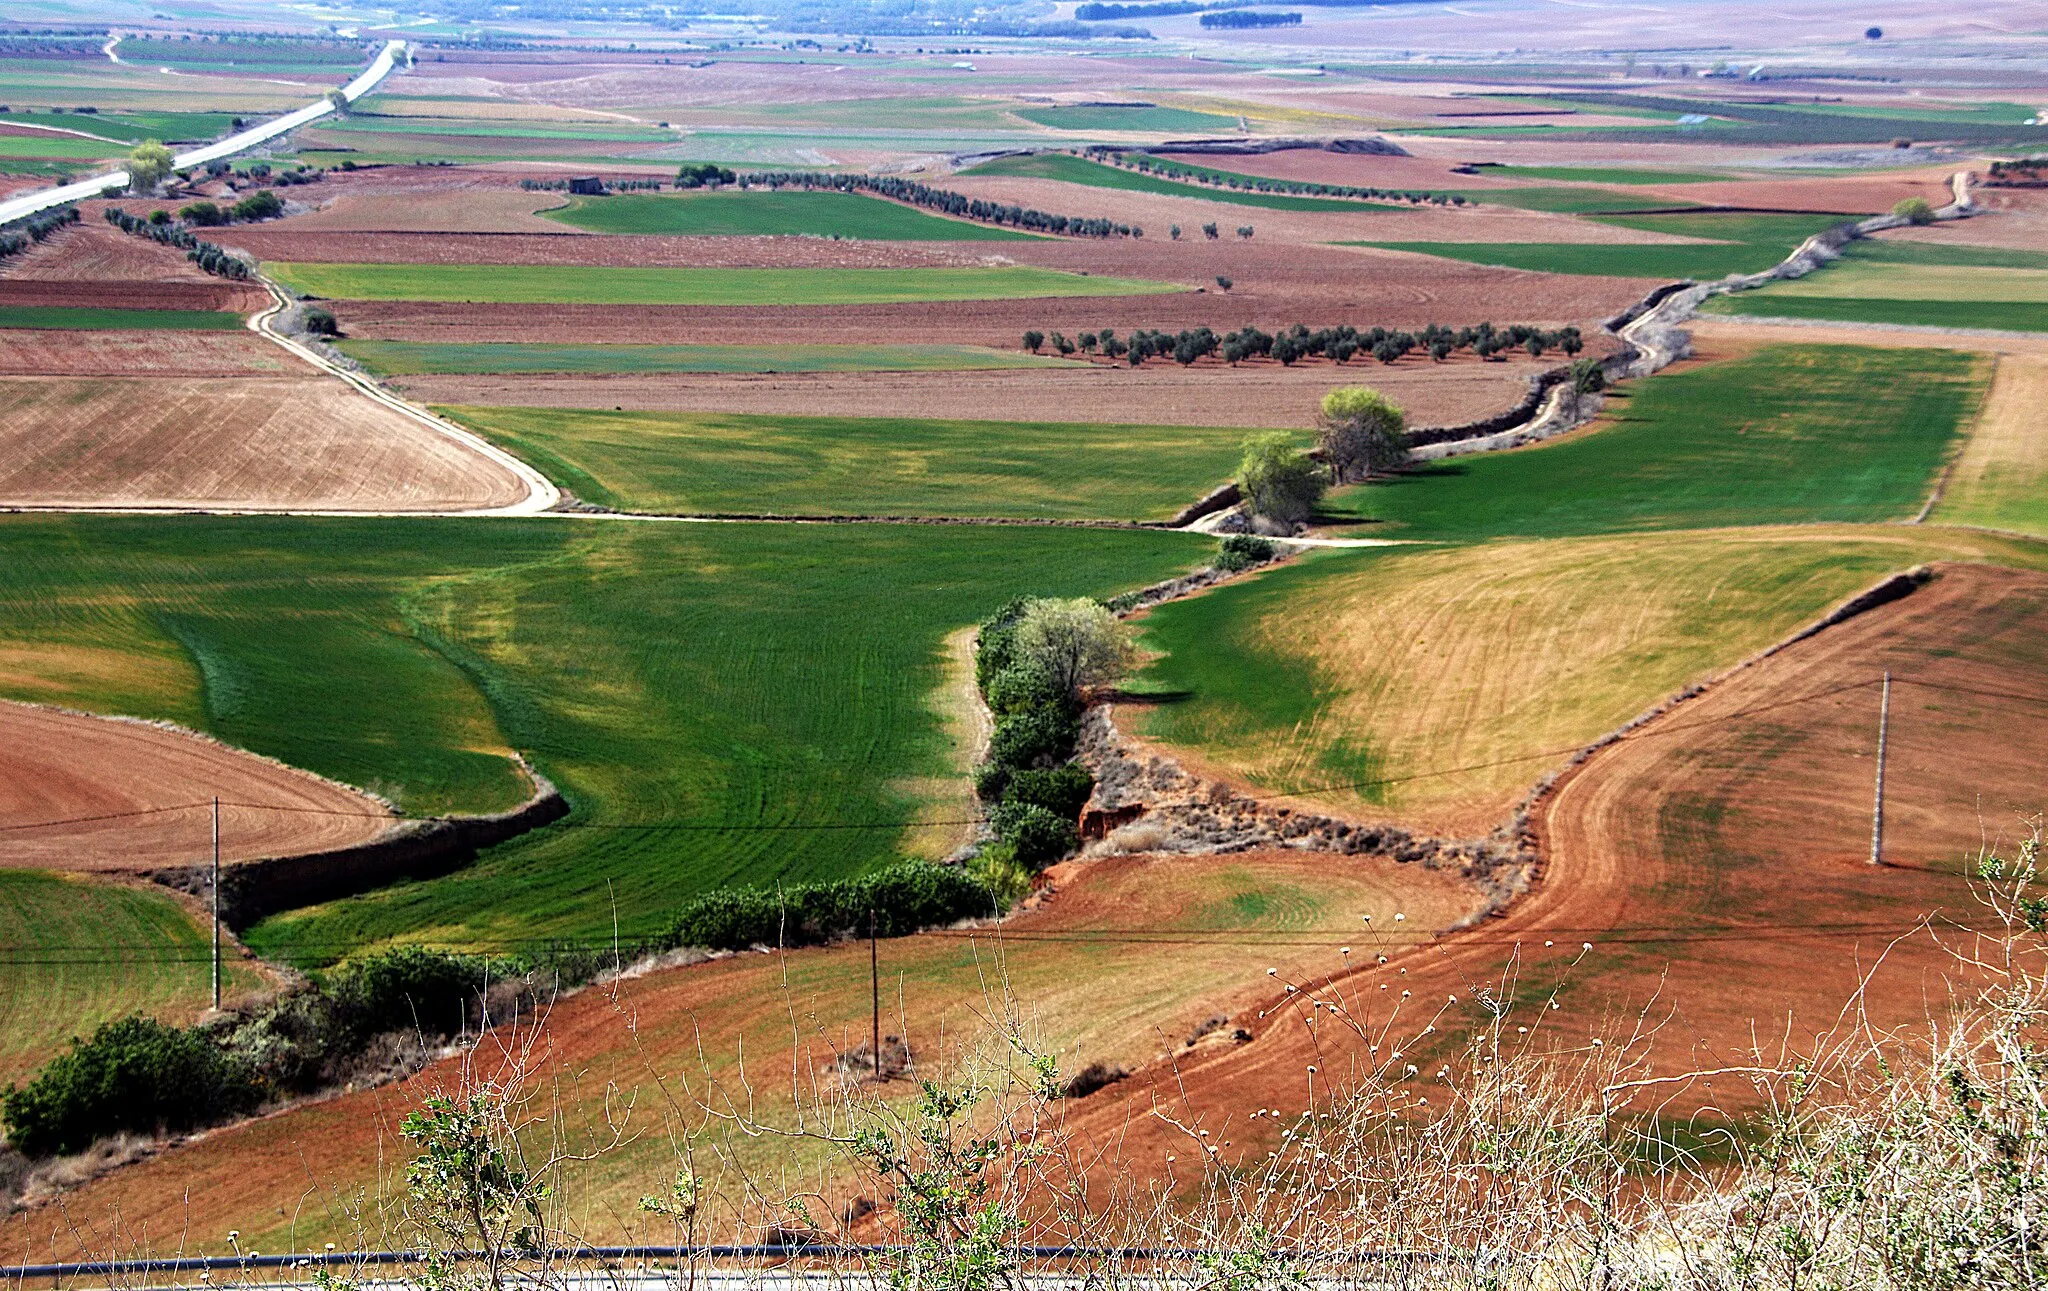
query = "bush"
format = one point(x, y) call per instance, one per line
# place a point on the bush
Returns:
point(1039, 737)
point(135, 1074)
point(1076, 643)
point(991, 779)
point(204, 214)
point(995, 642)
point(1279, 480)
point(1020, 688)
point(1242, 551)
point(902, 899)
point(1061, 790)
point(264, 205)
point(1914, 210)
point(410, 988)
point(321, 322)
point(1036, 836)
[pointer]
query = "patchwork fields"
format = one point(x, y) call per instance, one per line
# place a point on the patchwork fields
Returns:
point(757, 214)
point(1728, 244)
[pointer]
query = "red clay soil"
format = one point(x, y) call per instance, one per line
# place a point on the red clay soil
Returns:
point(1265, 395)
point(2015, 217)
point(273, 444)
point(95, 266)
point(152, 785)
point(288, 241)
point(1716, 863)
point(142, 352)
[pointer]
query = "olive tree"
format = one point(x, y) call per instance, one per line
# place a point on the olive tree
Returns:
point(1076, 644)
point(148, 165)
point(1279, 480)
point(1361, 431)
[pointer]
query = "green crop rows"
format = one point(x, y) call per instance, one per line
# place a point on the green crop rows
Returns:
point(839, 215)
point(1147, 119)
point(576, 284)
point(1748, 244)
point(719, 702)
point(776, 465)
point(1791, 434)
point(65, 318)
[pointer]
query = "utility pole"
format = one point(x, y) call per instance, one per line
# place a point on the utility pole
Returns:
point(1884, 719)
point(875, 993)
point(216, 905)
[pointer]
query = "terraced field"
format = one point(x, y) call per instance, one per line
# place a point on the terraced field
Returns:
point(709, 463)
point(754, 214)
point(604, 285)
point(705, 696)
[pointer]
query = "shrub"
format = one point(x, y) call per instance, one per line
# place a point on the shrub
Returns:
point(1033, 340)
point(990, 780)
point(264, 205)
point(135, 1074)
point(1036, 836)
point(204, 214)
point(321, 322)
point(1076, 643)
point(1279, 479)
point(1914, 210)
point(1038, 737)
point(994, 642)
point(1020, 688)
point(1063, 790)
point(410, 988)
point(902, 899)
point(1242, 551)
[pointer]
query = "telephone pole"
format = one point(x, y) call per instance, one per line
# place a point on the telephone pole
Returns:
point(216, 905)
point(1884, 719)
point(875, 993)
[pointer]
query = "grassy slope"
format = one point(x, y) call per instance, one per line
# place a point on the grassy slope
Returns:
point(1460, 674)
point(736, 684)
point(80, 952)
point(1794, 433)
point(572, 284)
point(60, 318)
point(841, 215)
point(1075, 170)
point(392, 358)
point(721, 463)
point(1751, 243)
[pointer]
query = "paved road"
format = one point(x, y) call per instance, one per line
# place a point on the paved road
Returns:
point(18, 208)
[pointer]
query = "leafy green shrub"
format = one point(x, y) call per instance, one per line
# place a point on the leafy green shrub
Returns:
point(1039, 737)
point(1914, 210)
point(264, 205)
point(1242, 551)
point(410, 988)
point(321, 322)
point(1063, 791)
point(990, 780)
point(204, 214)
point(902, 899)
point(1036, 836)
point(995, 642)
point(1020, 688)
point(135, 1074)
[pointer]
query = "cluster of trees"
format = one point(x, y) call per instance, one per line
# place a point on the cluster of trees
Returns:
point(1359, 433)
point(1338, 344)
point(1255, 184)
point(610, 185)
point(705, 174)
point(1250, 18)
point(283, 178)
point(1035, 661)
point(894, 902)
point(34, 229)
point(2019, 171)
point(204, 254)
point(944, 201)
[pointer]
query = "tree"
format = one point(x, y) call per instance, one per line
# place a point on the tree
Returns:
point(1361, 431)
point(1033, 340)
point(1223, 282)
point(338, 101)
point(1244, 230)
point(148, 166)
point(1076, 643)
point(1279, 480)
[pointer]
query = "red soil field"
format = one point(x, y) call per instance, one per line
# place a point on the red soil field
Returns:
point(1266, 395)
point(93, 265)
point(290, 241)
point(140, 352)
point(57, 765)
point(481, 206)
point(270, 444)
point(2016, 217)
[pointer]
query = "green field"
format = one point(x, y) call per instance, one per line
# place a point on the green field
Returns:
point(133, 127)
point(822, 214)
point(78, 953)
point(2004, 316)
point(1790, 434)
point(1749, 244)
point(400, 358)
point(1069, 169)
point(58, 147)
point(579, 285)
point(1885, 251)
point(1567, 200)
point(716, 463)
point(1848, 279)
point(1610, 175)
point(1150, 119)
point(63, 318)
point(707, 696)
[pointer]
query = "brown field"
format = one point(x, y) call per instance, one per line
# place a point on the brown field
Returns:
point(481, 206)
point(1087, 988)
point(94, 266)
point(156, 782)
point(269, 444)
point(288, 241)
point(1267, 395)
point(140, 352)
point(2017, 217)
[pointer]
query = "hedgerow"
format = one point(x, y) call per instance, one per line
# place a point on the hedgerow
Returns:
point(1339, 344)
point(895, 902)
point(204, 254)
point(135, 1074)
point(1146, 164)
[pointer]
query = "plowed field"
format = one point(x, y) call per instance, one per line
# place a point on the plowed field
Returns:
point(287, 241)
point(1434, 395)
point(268, 444)
point(138, 352)
point(151, 787)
